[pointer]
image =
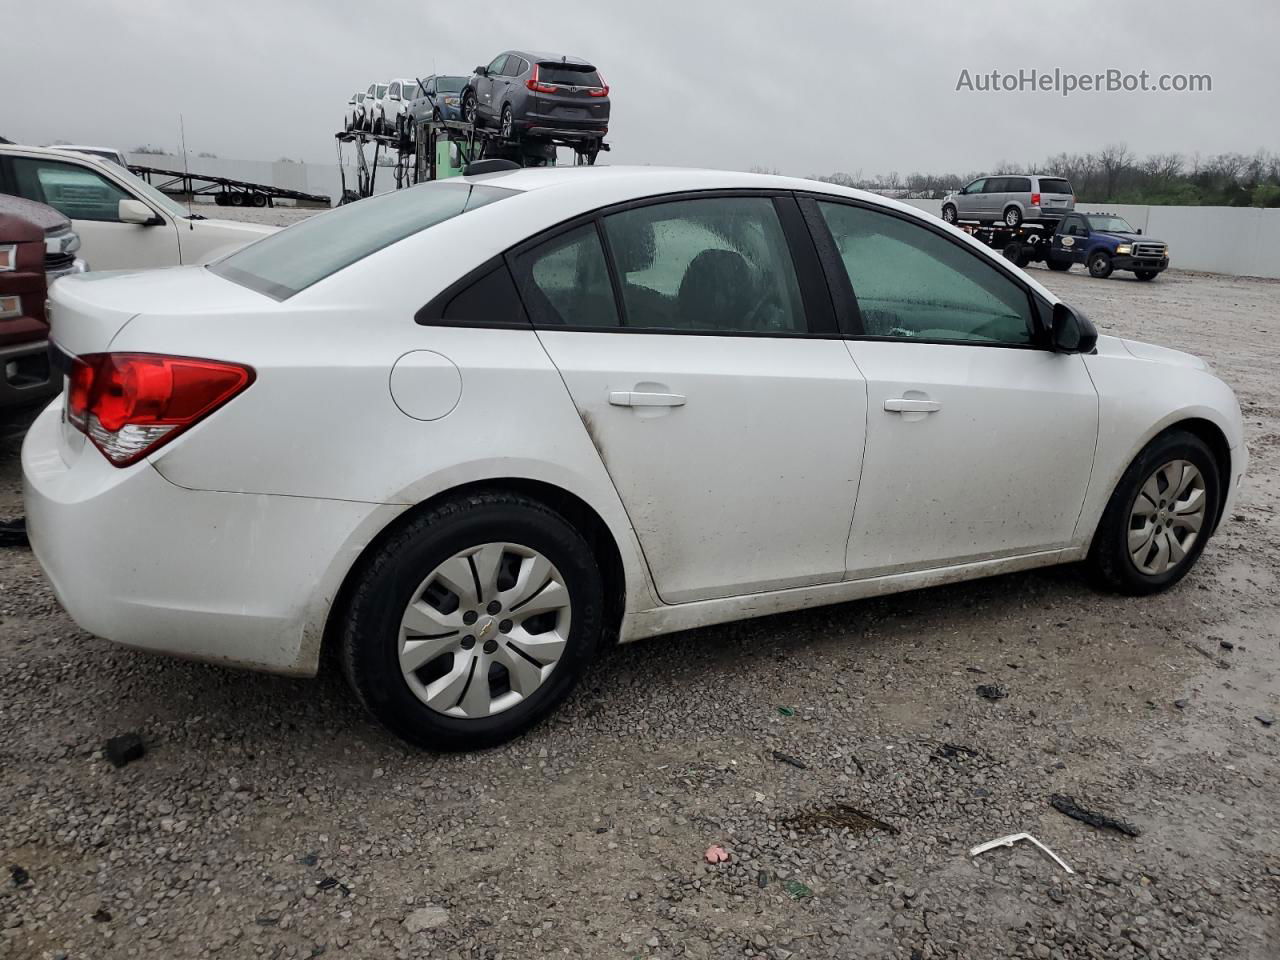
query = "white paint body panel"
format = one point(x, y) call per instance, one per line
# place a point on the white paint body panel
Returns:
point(999, 469)
point(748, 485)
point(284, 486)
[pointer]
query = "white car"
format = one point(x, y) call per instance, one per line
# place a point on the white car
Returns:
point(123, 222)
point(470, 431)
point(373, 98)
point(353, 116)
point(393, 109)
point(106, 153)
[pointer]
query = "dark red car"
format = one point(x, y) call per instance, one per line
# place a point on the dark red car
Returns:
point(37, 246)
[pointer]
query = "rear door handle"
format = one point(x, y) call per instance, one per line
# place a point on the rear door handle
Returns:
point(634, 398)
point(903, 405)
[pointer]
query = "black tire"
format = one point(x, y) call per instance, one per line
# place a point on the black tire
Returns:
point(1017, 253)
point(237, 199)
point(470, 107)
point(220, 199)
point(1146, 274)
point(1099, 265)
point(1062, 266)
point(1109, 558)
point(1012, 217)
point(386, 581)
point(949, 213)
point(507, 125)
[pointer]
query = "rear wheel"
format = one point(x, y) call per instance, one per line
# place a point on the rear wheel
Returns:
point(949, 213)
point(1013, 217)
point(473, 622)
point(1159, 517)
point(1059, 265)
point(1146, 274)
point(1100, 265)
point(1017, 253)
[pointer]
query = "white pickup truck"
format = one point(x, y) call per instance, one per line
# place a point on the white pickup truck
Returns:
point(123, 222)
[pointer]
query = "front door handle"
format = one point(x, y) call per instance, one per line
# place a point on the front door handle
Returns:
point(635, 398)
point(903, 405)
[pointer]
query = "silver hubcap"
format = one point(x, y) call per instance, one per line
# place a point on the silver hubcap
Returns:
point(484, 630)
point(1011, 218)
point(506, 123)
point(1167, 516)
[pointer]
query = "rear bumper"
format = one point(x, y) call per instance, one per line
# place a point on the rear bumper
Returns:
point(561, 129)
point(239, 579)
point(25, 375)
point(1140, 263)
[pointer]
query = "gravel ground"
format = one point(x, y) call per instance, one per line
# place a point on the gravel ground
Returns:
point(269, 818)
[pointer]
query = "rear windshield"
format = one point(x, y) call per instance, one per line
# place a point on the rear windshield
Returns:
point(1052, 185)
point(284, 263)
point(569, 74)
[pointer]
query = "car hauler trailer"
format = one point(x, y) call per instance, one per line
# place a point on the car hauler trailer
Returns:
point(225, 191)
point(438, 149)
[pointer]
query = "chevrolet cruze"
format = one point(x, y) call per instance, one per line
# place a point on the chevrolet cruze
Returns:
point(468, 432)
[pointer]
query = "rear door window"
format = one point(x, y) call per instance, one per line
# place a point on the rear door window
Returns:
point(714, 265)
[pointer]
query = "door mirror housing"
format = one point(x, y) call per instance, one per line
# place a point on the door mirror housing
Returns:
point(482, 71)
point(135, 211)
point(1071, 331)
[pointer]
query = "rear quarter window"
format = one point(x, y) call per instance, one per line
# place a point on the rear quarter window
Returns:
point(288, 262)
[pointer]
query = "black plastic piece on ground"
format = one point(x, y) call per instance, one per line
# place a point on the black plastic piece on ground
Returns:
point(19, 875)
point(992, 691)
point(1069, 807)
point(124, 749)
point(13, 533)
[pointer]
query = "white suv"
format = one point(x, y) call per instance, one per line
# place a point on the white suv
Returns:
point(123, 221)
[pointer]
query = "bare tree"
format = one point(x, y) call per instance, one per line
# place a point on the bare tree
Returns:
point(1114, 159)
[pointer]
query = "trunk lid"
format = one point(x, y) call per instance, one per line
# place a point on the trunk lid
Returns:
point(577, 94)
point(89, 309)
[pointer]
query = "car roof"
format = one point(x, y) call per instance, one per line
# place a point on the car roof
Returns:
point(64, 153)
point(535, 55)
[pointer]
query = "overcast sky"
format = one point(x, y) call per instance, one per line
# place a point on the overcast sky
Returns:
point(802, 86)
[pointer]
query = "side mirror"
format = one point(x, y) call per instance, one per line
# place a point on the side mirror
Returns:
point(1072, 332)
point(482, 71)
point(135, 211)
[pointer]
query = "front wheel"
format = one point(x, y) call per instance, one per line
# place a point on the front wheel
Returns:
point(949, 214)
point(1146, 274)
point(473, 622)
point(1159, 517)
point(508, 122)
point(470, 108)
point(1099, 265)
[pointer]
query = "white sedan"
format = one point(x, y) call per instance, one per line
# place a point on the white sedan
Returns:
point(470, 431)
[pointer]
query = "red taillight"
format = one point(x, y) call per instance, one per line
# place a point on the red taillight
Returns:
point(604, 88)
point(129, 404)
point(533, 84)
point(1035, 199)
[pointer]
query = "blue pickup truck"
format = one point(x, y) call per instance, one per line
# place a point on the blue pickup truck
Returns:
point(1103, 242)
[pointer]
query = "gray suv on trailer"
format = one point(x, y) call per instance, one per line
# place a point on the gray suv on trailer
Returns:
point(539, 95)
point(1011, 200)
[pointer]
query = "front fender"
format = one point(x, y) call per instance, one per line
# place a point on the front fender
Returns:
point(1140, 399)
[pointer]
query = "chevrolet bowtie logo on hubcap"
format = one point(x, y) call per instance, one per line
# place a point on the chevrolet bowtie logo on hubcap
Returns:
point(486, 628)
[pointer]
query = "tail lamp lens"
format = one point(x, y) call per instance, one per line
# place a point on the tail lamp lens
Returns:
point(533, 84)
point(1035, 199)
point(602, 90)
point(129, 404)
